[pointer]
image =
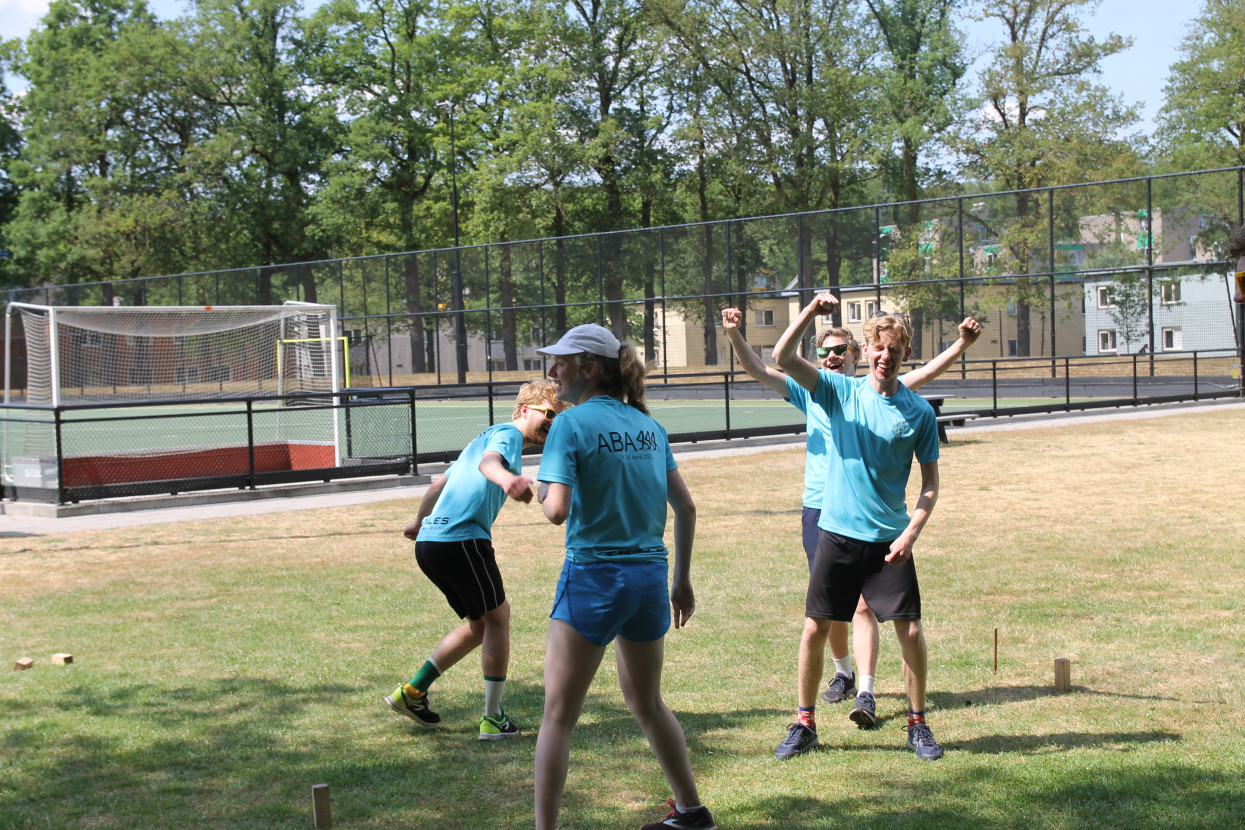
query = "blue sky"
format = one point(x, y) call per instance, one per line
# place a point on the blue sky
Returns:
point(1156, 26)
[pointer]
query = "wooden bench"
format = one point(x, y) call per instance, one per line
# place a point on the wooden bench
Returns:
point(955, 419)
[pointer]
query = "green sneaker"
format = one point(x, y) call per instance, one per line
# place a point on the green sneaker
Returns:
point(418, 709)
point(496, 728)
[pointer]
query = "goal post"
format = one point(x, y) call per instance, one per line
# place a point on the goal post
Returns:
point(180, 361)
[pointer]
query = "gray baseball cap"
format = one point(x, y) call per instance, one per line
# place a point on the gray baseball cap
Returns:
point(588, 338)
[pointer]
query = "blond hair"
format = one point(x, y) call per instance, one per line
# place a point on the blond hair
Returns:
point(897, 323)
point(844, 335)
point(621, 378)
point(535, 393)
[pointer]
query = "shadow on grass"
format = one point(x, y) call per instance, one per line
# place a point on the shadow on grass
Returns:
point(1164, 797)
point(1014, 694)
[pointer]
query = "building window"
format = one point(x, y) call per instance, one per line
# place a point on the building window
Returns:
point(1173, 341)
point(1013, 349)
point(1011, 308)
point(1105, 300)
point(1106, 341)
point(532, 364)
point(764, 317)
point(870, 308)
point(853, 312)
point(1170, 292)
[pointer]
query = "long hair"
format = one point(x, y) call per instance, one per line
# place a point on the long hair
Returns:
point(621, 378)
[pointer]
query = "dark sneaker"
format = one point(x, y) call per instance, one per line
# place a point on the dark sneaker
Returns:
point(921, 741)
point(800, 739)
point(418, 709)
point(864, 714)
point(697, 818)
point(840, 688)
point(496, 728)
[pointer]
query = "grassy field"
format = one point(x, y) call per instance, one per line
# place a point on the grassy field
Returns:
point(224, 667)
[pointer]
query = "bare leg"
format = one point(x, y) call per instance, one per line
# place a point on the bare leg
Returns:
point(865, 639)
point(495, 653)
point(838, 641)
point(639, 675)
point(570, 664)
point(812, 659)
point(458, 644)
point(912, 643)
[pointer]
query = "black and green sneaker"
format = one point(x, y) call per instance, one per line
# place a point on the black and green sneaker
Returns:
point(495, 728)
point(417, 707)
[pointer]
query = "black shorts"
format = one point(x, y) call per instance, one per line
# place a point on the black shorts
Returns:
point(466, 572)
point(846, 568)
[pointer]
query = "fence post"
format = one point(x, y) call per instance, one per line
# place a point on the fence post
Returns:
point(60, 456)
point(1134, 378)
point(726, 388)
point(1195, 374)
point(490, 403)
point(994, 387)
point(1067, 385)
point(250, 442)
point(1050, 229)
point(414, 445)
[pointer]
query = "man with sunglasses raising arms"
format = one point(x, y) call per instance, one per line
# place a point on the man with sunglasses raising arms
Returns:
point(454, 549)
point(838, 352)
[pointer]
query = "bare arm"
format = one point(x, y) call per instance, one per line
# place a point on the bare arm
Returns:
point(516, 487)
point(800, 370)
point(756, 369)
point(970, 330)
point(426, 505)
point(557, 503)
point(901, 548)
point(682, 597)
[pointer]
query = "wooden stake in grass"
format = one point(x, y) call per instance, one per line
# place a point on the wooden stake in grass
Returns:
point(23, 663)
point(320, 809)
point(1063, 675)
point(62, 659)
point(996, 650)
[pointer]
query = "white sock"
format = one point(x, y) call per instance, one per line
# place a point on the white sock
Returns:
point(866, 683)
point(843, 666)
point(492, 696)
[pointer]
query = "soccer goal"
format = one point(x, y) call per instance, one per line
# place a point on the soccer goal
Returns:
point(175, 375)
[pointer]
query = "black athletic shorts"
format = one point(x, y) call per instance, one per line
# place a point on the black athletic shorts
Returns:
point(810, 533)
point(466, 572)
point(846, 568)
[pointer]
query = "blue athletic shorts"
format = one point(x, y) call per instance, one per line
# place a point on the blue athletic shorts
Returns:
point(604, 600)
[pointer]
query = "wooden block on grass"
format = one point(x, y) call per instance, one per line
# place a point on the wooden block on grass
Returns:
point(23, 663)
point(320, 809)
point(1063, 674)
point(62, 659)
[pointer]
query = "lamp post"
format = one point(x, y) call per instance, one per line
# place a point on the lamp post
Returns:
point(456, 285)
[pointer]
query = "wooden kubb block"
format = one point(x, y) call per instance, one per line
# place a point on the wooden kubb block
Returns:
point(320, 809)
point(23, 663)
point(1063, 674)
point(62, 659)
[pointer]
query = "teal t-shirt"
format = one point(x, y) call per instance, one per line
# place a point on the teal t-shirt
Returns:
point(817, 445)
point(469, 502)
point(874, 441)
point(615, 459)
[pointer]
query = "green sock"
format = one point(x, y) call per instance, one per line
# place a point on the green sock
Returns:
point(427, 673)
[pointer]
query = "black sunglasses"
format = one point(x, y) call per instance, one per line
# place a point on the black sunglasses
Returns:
point(840, 350)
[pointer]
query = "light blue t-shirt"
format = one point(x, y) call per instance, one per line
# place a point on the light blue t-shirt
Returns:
point(817, 446)
point(615, 459)
point(469, 502)
point(875, 439)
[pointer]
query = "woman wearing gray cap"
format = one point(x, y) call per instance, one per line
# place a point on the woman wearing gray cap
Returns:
point(608, 473)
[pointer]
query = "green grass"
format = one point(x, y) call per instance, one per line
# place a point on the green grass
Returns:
point(224, 667)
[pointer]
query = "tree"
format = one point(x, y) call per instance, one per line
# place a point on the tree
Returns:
point(794, 100)
point(1202, 121)
point(1044, 122)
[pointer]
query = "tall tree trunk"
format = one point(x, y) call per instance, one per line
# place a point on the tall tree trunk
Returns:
point(415, 309)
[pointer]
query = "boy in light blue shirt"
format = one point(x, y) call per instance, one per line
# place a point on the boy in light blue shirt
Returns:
point(866, 536)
